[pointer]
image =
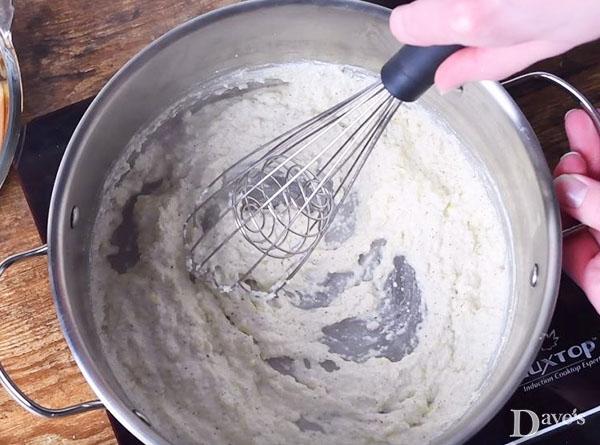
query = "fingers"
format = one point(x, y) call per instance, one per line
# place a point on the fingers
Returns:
point(467, 22)
point(579, 197)
point(571, 162)
point(584, 139)
point(501, 36)
point(581, 257)
point(472, 64)
point(406, 24)
point(484, 23)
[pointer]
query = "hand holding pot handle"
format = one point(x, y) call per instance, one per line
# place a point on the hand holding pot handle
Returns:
point(578, 190)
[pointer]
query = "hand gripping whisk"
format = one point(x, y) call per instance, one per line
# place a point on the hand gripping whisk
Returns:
point(259, 220)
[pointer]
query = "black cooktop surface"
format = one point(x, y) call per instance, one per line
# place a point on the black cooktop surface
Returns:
point(558, 401)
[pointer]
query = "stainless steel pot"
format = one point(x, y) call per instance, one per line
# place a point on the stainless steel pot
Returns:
point(254, 33)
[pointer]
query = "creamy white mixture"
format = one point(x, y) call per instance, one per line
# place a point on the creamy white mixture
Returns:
point(385, 339)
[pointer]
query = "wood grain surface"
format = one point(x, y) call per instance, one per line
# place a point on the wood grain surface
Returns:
point(68, 49)
point(31, 344)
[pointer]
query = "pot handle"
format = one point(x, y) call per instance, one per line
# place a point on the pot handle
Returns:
point(584, 102)
point(15, 392)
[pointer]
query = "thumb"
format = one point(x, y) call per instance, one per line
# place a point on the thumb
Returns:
point(579, 197)
point(470, 64)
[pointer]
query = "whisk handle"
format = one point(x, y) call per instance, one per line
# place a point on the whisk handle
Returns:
point(410, 72)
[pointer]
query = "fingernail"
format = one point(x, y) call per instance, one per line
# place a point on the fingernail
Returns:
point(570, 112)
point(570, 153)
point(570, 191)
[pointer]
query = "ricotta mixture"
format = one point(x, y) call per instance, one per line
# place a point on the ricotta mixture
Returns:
point(384, 337)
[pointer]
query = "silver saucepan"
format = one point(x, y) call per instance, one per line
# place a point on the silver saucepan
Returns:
point(255, 33)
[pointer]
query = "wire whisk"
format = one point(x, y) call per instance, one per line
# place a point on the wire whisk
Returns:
point(258, 222)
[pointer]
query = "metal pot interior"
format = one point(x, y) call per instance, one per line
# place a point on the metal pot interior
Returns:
point(265, 32)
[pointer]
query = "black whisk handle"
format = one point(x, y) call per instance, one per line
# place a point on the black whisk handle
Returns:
point(410, 72)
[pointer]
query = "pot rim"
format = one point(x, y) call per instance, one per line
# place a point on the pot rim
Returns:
point(58, 211)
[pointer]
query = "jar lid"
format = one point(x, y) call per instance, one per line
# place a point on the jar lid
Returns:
point(10, 91)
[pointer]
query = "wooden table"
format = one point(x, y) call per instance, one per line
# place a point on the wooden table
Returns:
point(68, 49)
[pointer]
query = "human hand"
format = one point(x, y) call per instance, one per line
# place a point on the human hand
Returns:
point(502, 36)
point(577, 186)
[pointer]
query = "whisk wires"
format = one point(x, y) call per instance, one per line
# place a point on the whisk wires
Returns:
point(282, 197)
